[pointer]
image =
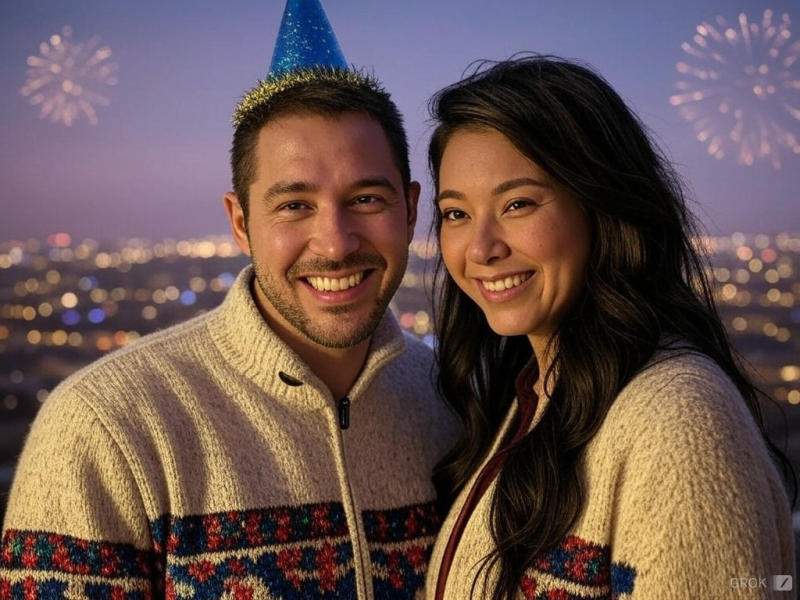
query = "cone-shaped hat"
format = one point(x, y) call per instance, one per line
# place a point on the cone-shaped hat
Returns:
point(305, 40)
point(306, 51)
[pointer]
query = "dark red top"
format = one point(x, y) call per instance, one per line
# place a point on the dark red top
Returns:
point(527, 401)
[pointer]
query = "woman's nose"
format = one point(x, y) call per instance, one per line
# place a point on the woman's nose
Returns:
point(487, 244)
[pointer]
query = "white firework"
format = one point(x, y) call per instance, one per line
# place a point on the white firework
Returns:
point(67, 79)
point(740, 88)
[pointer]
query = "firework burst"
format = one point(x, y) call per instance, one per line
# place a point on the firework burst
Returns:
point(740, 88)
point(67, 79)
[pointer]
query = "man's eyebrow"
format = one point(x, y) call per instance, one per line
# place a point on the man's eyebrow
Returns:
point(289, 187)
point(377, 181)
point(281, 188)
point(501, 188)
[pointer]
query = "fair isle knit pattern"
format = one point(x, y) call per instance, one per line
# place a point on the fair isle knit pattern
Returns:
point(681, 496)
point(301, 552)
point(579, 563)
point(26, 553)
point(207, 461)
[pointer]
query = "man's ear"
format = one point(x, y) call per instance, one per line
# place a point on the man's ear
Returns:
point(233, 208)
point(411, 204)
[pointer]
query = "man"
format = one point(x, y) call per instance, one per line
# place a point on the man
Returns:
point(280, 446)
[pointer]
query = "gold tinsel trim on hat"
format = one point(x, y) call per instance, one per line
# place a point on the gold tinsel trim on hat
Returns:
point(268, 88)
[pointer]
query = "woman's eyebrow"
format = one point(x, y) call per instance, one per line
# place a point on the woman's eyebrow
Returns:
point(501, 188)
point(511, 184)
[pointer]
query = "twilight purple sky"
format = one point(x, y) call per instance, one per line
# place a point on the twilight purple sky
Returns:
point(156, 163)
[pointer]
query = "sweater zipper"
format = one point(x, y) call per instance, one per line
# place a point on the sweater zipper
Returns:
point(343, 407)
point(363, 570)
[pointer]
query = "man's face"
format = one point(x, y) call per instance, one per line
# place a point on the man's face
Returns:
point(328, 227)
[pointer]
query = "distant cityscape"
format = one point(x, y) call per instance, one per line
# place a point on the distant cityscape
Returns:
point(65, 303)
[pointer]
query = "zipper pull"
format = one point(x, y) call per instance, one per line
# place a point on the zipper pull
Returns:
point(344, 412)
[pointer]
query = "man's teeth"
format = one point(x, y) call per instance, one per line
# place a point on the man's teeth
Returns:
point(326, 284)
point(507, 283)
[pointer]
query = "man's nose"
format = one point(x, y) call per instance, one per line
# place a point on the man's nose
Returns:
point(334, 235)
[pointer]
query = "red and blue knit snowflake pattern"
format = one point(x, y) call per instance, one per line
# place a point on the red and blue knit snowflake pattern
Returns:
point(583, 563)
point(283, 552)
point(29, 588)
point(400, 542)
point(185, 536)
point(34, 551)
point(280, 552)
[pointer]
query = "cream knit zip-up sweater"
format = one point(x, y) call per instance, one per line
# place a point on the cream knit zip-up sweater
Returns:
point(207, 461)
point(682, 502)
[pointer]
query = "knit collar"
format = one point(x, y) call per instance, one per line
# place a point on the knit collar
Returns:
point(253, 349)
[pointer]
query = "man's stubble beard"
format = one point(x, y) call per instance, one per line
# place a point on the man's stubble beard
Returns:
point(293, 313)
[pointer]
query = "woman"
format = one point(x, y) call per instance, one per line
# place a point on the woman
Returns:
point(612, 445)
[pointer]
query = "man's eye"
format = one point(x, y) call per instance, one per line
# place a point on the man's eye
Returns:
point(293, 206)
point(368, 204)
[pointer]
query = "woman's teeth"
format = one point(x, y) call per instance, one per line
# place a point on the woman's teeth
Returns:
point(507, 283)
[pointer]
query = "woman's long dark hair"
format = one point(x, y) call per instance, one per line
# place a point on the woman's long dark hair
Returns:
point(646, 279)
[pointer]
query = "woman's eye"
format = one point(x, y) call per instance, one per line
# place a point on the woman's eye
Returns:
point(518, 204)
point(453, 214)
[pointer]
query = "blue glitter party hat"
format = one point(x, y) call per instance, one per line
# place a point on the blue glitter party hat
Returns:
point(306, 52)
point(305, 40)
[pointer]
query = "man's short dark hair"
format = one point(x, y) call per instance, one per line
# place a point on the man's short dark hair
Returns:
point(326, 98)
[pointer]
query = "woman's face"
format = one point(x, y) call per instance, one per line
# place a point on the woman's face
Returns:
point(512, 240)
